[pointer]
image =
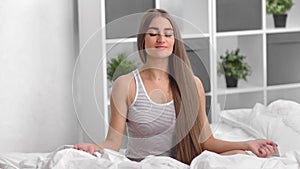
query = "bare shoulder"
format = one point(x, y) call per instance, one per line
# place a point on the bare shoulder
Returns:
point(123, 86)
point(199, 85)
point(122, 83)
point(198, 82)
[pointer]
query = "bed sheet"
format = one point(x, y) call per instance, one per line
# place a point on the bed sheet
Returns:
point(75, 159)
point(70, 158)
point(277, 121)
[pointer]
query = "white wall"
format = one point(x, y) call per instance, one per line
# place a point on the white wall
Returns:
point(37, 55)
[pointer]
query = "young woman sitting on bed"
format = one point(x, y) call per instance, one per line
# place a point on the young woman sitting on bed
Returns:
point(163, 103)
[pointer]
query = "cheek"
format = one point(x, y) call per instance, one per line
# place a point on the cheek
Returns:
point(149, 43)
point(171, 46)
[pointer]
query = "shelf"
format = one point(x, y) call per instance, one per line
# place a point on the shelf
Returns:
point(284, 86)
point(195, 36)
point(239, 33)
point(282, 30)
point(240, 89)
point(120, 40)
point(209, 28)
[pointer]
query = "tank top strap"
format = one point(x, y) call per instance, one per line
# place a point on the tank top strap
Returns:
point(136, 75)
point(139, 83)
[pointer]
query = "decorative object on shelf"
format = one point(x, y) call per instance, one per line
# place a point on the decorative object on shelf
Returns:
point(119, 66)
point(234, 67)
point(278, 8)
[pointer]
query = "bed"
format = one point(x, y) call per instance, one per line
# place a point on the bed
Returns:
point(279, 121)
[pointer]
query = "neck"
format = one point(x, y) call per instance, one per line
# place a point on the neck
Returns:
point(155, 73)
point(160, 64)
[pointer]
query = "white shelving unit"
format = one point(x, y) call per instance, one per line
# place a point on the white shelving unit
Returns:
point(200, 24)
point(262, 56)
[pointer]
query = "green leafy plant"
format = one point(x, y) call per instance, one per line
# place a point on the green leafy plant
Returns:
point(278, 6)
point(233, 65)
point(119, 66)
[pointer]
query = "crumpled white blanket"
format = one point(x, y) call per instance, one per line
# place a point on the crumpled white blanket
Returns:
point(279, 122)
point(69, 158)
point(109, 159)
point(210, 160)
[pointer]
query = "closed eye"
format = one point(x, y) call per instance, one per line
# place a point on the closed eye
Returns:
point(156, 34)
point(168, 35)
point(153, 34)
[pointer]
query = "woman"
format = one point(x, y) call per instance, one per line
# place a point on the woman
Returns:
point(163, 103)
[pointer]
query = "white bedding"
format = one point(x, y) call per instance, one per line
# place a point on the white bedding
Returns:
point(69, 158)
point(278, 122)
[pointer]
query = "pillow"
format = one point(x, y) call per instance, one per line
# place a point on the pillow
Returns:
point(288, 110)
point(238, 118)
point(283, 108)
point(275, 129)
point(260, 124)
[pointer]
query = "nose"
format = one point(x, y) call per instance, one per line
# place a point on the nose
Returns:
point(161, 38)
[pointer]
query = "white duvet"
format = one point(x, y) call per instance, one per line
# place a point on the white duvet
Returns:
point(74, 159)
point(279, 122)
point(69, 158)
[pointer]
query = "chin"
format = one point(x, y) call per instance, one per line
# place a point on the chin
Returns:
point(161, 54)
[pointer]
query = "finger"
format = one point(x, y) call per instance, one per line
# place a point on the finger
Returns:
point(262, 152)
point(268, 149)
point(77, 147)
point(256, 152)
point(269, 142)
point(271, 150)
point(274, 151)
point(90, 149)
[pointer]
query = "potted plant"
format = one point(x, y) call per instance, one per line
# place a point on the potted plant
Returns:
point(119, 66)
point(278, 8)
point(234, 67)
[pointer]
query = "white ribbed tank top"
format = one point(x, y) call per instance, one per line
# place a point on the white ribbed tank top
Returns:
point(151, 126)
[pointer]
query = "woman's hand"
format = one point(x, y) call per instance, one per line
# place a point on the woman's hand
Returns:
point(262, 148)
point(87, 147)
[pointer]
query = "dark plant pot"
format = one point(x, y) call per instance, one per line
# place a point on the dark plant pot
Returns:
point(279, 20)
point(231, 82)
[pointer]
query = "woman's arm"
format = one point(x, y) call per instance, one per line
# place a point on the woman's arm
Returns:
point(261, 148)
point(118, 109)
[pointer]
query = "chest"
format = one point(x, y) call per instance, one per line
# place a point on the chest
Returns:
point(146, 118)
point(158, 91)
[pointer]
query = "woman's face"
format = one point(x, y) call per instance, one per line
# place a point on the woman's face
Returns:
point(159, 38)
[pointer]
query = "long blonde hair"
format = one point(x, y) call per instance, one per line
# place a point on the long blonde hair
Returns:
point(184, 90)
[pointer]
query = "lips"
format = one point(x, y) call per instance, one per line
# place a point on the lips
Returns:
point(160, 47)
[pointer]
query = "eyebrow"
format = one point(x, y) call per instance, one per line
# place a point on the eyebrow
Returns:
point(155, 28)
